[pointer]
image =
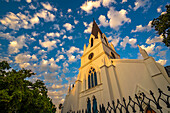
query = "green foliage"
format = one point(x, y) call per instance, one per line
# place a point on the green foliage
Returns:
point(18, 95)
point(162, 25)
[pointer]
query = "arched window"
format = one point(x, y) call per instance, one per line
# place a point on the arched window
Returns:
point(94, 105)
point(88, 106)
point(91, 42)
point(92, 78)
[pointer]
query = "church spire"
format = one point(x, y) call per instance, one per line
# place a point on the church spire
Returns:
point(95, 29)
point(143, 52)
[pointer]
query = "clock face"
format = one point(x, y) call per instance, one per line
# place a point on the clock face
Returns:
point(91, 56)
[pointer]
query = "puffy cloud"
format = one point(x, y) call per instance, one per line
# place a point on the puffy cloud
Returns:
point(103, 21)
point(69, 10)
point(17, 44)
point(69, 37)
point(117, 18)
point(46, 15)
point(48, 44)
point(142, 3)
point(60, 57)
point(106, 3)
point(76, 21)
point(36, 47)
point(89, 27)
point(154, 40)
point(149, 49)
point(74, 49)
point(56, 26)
point(68, 26)
point(23, 59)
point(159, 10)
point(131, 41)
point(7, 36)
point(123, 1)
point(53, 34)
point(32, 6)
point(162, 62)
point(50, 64)
point(89, 5)
point(140, 28)
point(28, 1)
point(114, 40)
point(19, 20)
point(71, 58)
point(47, 6)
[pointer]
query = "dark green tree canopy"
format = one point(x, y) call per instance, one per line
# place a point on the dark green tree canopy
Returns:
point(162, 25)
point(18, 95)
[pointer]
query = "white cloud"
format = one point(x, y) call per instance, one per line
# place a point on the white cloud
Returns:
point(60, 57)
point(123, 1)
point(107, 3)
point(89, 5)
point(142, 3)
point(56, 26)
point(36, 47)
point(69, 37)
point(103, 21)
point(53, 34)
point(69, 10)
point(162, 62)
point(73, 49)
point(7, 36)
point(28, 1)
point(159, 10)
point(47, 6)
point(89, 27)
point(46, 15)
point(68, 26)
point(117, 18)
point(76, 21)
point(48, 44)
point(71, 58)
point(32, 6)
point(154, 40)
point(24, 65)
point(114, 40)
point(149, 49)
point(131, 41)
point(17, 44)
point(140, 28)
point(19, 20)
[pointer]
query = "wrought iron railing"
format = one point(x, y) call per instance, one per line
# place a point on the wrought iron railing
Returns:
point(134, 105)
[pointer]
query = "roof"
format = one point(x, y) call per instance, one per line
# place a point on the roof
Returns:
point(95, 29)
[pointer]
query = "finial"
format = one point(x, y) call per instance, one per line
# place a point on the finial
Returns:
point(143, 52)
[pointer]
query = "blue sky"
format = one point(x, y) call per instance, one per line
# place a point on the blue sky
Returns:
point(48, 36)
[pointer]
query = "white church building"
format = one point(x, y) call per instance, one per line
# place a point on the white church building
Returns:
point(104, 77)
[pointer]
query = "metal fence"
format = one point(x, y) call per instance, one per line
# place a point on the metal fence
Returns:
point(134, 105)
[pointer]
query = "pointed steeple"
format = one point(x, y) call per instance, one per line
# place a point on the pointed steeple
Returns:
point(143, 52)
point(95, 29)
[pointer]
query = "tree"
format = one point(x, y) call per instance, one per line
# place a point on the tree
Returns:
point(162, 25)
point(18, 95)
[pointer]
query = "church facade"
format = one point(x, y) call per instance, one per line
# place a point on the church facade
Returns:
point(104, 77)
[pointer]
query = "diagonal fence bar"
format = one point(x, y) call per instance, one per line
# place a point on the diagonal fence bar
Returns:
point(133, 105)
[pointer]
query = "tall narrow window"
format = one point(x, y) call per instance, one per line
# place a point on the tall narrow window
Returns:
point(88, 106)
point(91, 42)
point(94, 105)
point(88, 81)
point(92, 78)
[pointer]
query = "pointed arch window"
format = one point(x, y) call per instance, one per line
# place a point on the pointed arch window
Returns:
point(94, 105)
point(92, 78)
point(88, 106)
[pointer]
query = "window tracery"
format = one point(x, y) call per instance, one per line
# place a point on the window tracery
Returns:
point(92, 78)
